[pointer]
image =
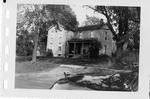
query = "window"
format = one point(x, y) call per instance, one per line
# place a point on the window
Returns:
point(105, 49)
point(59, 47)
point(60, 34)
point(80, 35)
point(59, 54)
point(51, 45)
point(52, 35)
point(91, 34)
point(105, 35)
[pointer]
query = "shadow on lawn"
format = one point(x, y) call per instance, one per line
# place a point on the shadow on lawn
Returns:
point(81, 61)
point(68, 61)
point(24, 65)
point(29, 58)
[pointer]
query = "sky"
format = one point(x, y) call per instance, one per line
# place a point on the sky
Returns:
point(81, 13)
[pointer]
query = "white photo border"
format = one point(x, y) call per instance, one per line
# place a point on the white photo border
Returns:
point(10, 40)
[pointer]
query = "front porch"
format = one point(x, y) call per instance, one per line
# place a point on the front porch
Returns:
point(82, 48)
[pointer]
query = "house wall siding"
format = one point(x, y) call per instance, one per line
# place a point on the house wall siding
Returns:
point(58, 38)
point(102, 35)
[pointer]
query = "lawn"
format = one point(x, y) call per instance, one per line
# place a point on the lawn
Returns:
point(24, 65)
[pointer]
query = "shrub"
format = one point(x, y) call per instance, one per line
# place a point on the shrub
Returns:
point(49, 53)
point(128, 58)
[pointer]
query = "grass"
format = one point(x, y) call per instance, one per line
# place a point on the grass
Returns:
point(128, 58)
point(24, 65)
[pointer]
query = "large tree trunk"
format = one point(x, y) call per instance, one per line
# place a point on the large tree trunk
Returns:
point(36, 37)
point(119, 51)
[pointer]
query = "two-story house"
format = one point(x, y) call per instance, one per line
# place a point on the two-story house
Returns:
point(82, 41)
point(86, 39)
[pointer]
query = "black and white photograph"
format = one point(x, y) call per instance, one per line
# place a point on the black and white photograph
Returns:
point(77, 47)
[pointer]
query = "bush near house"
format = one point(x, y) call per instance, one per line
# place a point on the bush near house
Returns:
point(49, 53)
point(127, 61)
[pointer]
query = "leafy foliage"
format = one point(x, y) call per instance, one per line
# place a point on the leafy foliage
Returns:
point(24, 44)
point(124, 23)
point(91, 21)
point(36, 19)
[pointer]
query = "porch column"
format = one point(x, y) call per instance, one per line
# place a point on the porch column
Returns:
point(74, 48)
point(67, 49)
point(82, 48)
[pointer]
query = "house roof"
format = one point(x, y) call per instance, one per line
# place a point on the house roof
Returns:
point(91, 27)
point(60, 25)
point(54, 25)
point(84, 28)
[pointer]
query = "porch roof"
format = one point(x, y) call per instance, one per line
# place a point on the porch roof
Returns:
point(82, 40)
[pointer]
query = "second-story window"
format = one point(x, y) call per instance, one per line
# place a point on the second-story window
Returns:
point(60, 34)
point(80, 35)
point(52, 35)
point(91, 34)
point(51, 45)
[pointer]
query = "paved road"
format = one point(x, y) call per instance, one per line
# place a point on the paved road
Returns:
point(44, 80)
point(41, 80)
point(29, 84)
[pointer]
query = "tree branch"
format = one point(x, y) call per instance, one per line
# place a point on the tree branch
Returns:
point(109, 23)
point(105, 13)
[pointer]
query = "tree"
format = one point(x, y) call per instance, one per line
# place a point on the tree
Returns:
point(24, 44)
point(38, 18)
point(91, 20)
point(120, 21)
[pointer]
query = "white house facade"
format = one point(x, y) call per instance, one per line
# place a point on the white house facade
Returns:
point(57, 39)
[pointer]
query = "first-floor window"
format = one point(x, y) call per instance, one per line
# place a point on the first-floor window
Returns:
point(105, 48)
point(59, 47)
